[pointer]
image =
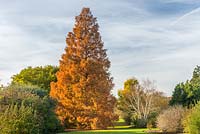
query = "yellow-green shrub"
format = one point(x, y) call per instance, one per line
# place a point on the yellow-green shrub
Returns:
point(27, 104)
point(19, 119)
point(191, 122)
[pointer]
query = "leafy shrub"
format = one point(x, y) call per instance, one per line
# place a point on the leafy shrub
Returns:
point(32, 98)
point(138, 122)
point(18, 119)
point(171, 119)
point(191, 122)
point(149, 122)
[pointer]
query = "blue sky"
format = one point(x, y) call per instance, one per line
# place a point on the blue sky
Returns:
point(155, 39)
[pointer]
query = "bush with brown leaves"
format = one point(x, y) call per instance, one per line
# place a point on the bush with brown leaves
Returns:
point(170, 120)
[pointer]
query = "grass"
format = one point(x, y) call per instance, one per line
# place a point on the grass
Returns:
point(113, 131)
point(120, 128)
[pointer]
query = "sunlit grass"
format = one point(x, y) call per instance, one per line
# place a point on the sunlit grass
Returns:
point(120, 128)
point(114, 131)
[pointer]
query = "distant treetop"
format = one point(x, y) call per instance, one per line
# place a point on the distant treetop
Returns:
point(37, 76)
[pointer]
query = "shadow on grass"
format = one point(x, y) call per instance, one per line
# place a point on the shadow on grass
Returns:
point(163, 133)
point(120, 128)
point(118, 131)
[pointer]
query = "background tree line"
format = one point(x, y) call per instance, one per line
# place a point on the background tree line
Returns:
point(142, 105)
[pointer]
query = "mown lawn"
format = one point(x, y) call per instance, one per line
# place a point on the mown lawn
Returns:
point(121, 130)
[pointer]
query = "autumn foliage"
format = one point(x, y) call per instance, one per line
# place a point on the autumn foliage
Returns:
point(83, 87)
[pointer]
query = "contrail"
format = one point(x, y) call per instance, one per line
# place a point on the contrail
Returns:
point(185, 15)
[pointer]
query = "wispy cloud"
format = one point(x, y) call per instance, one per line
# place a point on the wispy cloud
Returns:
point(197, 10)
point(158, 39)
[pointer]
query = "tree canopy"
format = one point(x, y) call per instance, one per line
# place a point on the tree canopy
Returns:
point(37, 76)
point(188, 93)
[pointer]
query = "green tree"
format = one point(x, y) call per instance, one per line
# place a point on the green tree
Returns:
point(38, 76)
point(188, 93)
point(195, 81)
point(179, 96)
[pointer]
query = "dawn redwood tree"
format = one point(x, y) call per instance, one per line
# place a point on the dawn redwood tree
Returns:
point(83, 87)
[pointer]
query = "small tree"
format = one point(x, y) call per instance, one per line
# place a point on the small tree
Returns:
point(83, 87)
point(138, 101)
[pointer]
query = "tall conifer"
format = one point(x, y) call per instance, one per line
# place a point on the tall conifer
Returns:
point(83, 87)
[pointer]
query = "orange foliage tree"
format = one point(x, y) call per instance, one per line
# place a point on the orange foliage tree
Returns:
point(83, 87)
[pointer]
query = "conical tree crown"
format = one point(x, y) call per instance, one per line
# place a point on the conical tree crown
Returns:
point(83, 89)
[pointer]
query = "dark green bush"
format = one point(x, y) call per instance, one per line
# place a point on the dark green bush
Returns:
point(139, 122)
